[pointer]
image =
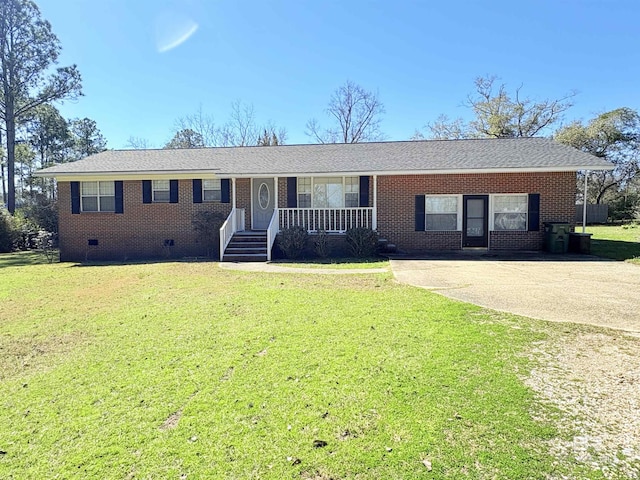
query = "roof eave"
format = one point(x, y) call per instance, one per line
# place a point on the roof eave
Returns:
point(189, 174)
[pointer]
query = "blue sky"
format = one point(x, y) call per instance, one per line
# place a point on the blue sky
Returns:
point(286, 57)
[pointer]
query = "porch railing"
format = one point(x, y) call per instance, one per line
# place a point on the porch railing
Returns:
point(272, 231)
point(234, 223)
point(336, 220)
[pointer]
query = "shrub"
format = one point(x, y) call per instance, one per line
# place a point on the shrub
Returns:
point(44, 213)
point(321, 244)
point(46, 243)
point(292, 241)
point(208, 224)
point(362, 242)
point(25, 231)
point(8, 233)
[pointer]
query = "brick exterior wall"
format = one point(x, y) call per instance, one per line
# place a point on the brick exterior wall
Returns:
point(141, 231)
point(396, 206)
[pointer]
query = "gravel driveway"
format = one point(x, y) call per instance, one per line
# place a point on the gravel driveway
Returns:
point(581, 289)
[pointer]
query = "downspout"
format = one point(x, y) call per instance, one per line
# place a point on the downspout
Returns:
point(584, 203)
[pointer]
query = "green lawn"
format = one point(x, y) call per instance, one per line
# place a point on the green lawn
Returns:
point(620, 242)
point(184, 370)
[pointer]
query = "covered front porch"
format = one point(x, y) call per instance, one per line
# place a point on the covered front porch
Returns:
point(330, 204)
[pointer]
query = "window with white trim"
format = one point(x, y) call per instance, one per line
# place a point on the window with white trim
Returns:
point(212, 190)
point(304, 192)
point(510, 212)
point(351, 192)
point(161, 190)
point(442, 213)
point(98, 196)
point(328, 192)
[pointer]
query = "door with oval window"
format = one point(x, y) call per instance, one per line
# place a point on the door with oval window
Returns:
point(262, 203)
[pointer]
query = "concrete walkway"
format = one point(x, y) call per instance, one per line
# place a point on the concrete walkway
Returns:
point(274, 268)
point(581, 289)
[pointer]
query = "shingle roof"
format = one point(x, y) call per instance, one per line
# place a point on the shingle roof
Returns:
point(430, 156)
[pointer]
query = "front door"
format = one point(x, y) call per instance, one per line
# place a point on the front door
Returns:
point(262, 202)
point(475, 221)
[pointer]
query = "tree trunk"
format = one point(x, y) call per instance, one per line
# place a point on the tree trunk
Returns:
point(4, 189)
point(603, 191)
point(11, 159)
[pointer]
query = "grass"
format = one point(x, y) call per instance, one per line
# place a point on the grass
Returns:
point(184, 370)
point(28, 257)
point(619, 242)
point(338, 263)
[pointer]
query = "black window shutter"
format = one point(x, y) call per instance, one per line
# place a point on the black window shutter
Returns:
point(197, 190)
point(534, 212)
point(364, 191)
point(119, 196)
point(173, 191)
point(420, 226)
point(75, 197)
point(292, 192)
point(146, 191)
point(225, 193)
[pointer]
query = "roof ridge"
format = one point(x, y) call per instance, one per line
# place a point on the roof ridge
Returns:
point(380, 142)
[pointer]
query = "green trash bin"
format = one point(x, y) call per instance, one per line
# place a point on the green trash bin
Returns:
point(556, 237)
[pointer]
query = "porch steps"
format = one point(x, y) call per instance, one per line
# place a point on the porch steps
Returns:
point(248, 246)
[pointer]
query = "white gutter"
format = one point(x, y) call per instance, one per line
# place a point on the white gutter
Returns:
point(189, 174)
point(584, 203)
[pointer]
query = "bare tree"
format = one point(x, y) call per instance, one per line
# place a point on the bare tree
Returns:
point(499, 114)
point(356, 113)
point(272, 135)
point(138, 143)
point(241, 129)
point(202, 124)
point(446, 129)
point(199, 130)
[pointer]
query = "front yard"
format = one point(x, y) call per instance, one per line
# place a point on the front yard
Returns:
point(620, 242)
point(184, 370)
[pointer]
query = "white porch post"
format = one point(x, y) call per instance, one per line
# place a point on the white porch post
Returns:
point(584, 203)
point(233, 193)
point(275, 191)
point(374, 216)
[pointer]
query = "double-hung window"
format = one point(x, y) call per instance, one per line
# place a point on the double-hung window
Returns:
point(161, 191)
point(98, 196)
point(211, 190)
point(510, 212)
point(304, 192)
point(351, 192)
point(328, 192)
point(441, 213)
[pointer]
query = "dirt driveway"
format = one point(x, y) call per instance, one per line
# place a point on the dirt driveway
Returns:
point(580, 289)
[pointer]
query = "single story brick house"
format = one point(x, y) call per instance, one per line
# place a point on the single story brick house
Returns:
point(492, 194)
